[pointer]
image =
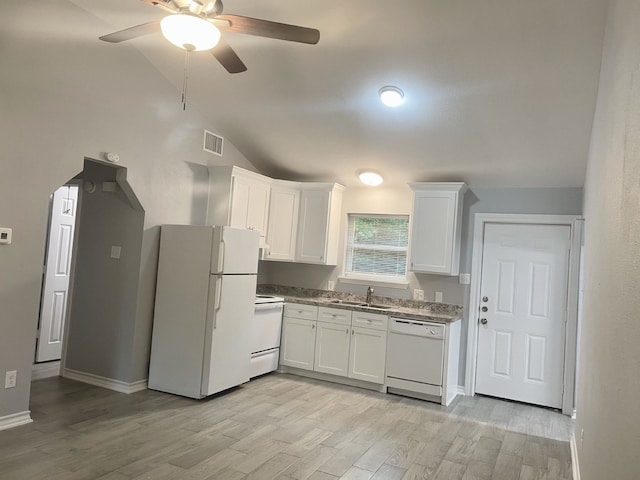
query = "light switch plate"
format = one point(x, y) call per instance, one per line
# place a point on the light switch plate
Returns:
point(418, 295)
point(115, 251)
point(330, 285)
point(465, 278)
point(438, 297)
point(5, 235)
point(10, 379)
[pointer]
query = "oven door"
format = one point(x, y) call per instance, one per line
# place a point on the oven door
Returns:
point(266, 327)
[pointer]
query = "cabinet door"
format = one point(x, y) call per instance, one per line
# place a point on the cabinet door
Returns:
point(332, 349)
point(367, 354)
point(283, 223)
point(432, 236)
point(298, 342)
point(258, 208)
point(240, 197)
point(312, 227)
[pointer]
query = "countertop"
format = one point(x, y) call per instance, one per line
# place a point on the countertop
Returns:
point(410, 309)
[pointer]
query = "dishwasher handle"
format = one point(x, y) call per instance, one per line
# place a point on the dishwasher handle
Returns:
point(416, 328)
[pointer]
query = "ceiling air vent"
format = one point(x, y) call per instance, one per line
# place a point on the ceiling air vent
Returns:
point(213, 143)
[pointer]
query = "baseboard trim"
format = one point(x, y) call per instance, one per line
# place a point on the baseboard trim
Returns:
point(460, 390)
point(109, 383)
point(575, 466)
point(15, 420)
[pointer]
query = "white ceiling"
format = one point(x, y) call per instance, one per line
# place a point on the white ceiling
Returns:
point(498, 92)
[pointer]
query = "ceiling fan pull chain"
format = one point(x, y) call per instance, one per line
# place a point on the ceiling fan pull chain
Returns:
point(185, 79)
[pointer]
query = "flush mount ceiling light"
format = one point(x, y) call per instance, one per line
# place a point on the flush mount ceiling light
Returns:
point(370, 178)
point(391, 96)
point(190, 32)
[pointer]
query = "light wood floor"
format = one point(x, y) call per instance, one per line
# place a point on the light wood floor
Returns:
point(281, 427)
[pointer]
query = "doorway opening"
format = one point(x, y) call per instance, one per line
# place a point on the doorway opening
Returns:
point(99, 253)
point(63, 206)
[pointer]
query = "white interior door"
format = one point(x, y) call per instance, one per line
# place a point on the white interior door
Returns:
point(56, 277)
point(521, 336)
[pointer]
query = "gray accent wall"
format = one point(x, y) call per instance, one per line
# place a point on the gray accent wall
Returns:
point(607, 428)
point(65, 100)
point(102, 314)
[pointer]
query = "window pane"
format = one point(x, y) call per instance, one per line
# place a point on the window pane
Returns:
point(377, 245)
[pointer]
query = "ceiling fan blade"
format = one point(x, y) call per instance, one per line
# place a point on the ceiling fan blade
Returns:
point(167, 5)
point(266, 28)
point(228, 57)
point(132, 32)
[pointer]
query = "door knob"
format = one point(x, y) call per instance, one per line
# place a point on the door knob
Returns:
point(484, 309)
point(483, 321)
point(485, 299)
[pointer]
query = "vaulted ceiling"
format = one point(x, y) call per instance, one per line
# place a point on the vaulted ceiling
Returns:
point(498, 92)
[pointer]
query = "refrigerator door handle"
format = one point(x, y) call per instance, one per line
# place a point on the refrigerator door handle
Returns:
point(221, 252)
point(216, 305)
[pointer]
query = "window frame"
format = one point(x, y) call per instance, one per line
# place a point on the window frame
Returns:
point(400, 281)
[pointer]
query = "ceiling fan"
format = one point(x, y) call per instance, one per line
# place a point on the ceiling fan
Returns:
point(195, 25)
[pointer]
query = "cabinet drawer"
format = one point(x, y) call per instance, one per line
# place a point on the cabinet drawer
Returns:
point(376, 321)
point(334, 315)
point(298, 310)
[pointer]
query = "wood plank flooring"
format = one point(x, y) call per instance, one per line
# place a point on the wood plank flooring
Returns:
point(280, 427)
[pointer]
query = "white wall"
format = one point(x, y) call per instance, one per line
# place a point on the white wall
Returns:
point(63, 99)
point(609, 388)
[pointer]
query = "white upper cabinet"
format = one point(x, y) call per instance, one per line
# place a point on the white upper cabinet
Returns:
point(283, 221)
point(319, 223)
point(436, 226)
point(239, 198)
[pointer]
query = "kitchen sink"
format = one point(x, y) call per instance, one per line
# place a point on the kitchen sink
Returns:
point(347, 302)
point(379, 307)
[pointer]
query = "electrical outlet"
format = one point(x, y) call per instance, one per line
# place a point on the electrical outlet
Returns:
point(331, 285)
point(418, 295)
point(10, 379)
point(115, 251)
point(5, 236)
point(438, 298)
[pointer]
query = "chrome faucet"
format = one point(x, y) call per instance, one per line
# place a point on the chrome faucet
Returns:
point(369, 294)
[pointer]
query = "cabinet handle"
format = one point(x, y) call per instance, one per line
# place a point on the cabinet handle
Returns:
point(347, 331)
point(352, 332)
point(313, 326)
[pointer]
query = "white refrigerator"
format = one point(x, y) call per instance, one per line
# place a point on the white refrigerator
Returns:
point(205, 296)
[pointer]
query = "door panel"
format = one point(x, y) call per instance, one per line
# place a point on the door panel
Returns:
point(332, 349)
point(228, 337)
point(58, 268)
point(521, 346)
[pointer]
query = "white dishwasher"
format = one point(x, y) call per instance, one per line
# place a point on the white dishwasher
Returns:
point(415, 358)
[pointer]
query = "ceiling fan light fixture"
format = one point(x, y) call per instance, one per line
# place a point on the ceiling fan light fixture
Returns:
point(370, 178)
point(391, 96)
point(190, 32)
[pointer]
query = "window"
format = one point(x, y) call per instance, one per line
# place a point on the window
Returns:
point(377, 247)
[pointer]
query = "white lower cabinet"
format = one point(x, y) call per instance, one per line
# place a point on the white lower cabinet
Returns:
point(367, 354)
point(332, 349)
point(335, 341)
point(298, 342)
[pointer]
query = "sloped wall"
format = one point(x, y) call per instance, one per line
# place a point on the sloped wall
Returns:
point(63, 99)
